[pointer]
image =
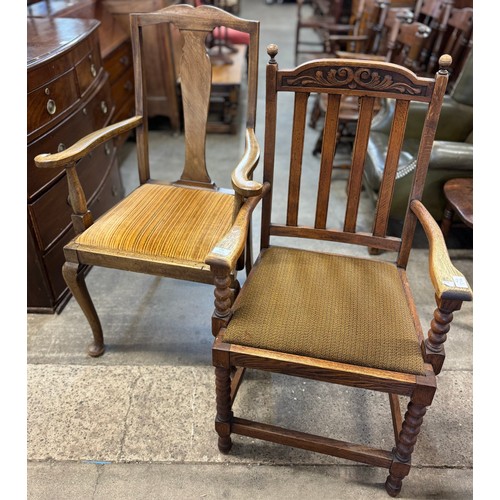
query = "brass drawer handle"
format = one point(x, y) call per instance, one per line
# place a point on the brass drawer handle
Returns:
point(61, 147)
point(93, 71)
point(51, 106)
point(104, 107)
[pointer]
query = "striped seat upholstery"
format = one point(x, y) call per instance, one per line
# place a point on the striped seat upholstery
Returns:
point(163, 222)
point(366, 320)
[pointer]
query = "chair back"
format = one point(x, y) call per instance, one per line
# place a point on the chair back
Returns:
point(406, 44)
point(435, 14)
point(458, 40)
point(366, 81)
point(194, 25)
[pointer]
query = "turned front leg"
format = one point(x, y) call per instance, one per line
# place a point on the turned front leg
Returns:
point(440, 326)
point(224, 296)
point(400, 467)
point(224, 413)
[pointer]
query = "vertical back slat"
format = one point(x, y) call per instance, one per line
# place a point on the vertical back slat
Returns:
point(386, 191)
point(196, 82)
point(297, 150)
point(330, 131)
point(358, 162)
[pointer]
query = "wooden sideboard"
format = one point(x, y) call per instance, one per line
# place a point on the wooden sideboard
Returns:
point(114, 41)
point(69, 95)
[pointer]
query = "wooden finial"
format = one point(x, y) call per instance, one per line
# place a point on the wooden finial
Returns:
point(272, 50)
point(444, 63)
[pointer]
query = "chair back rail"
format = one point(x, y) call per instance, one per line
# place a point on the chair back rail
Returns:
point(366, 81)
point(195, 84)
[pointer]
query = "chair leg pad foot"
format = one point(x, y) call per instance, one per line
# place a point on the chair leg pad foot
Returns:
point(225, 444)
point(392, 487)
point(96, 350)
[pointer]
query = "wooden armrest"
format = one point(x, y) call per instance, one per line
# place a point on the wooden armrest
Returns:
point(449, 283)
point(86, 144)
point(227, 251)
point(240, 178)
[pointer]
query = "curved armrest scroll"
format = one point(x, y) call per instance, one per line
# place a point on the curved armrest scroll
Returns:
point(86, 144)
point(241, 176)
point(449, 283)
point(227, 251)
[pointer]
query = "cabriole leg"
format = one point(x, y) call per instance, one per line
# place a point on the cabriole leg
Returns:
point(76, 283)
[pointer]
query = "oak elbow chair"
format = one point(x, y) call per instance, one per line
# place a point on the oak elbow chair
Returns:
point(163, 228)
point(338, 317)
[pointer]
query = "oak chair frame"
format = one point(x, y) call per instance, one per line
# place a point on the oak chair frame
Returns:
point(195, 24)
point(231, 360)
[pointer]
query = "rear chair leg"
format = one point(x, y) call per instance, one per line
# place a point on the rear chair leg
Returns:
point(401, 464)
point(224, 413)
point(76, 283)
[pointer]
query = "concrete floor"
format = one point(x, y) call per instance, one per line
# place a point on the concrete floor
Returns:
point(137, 423)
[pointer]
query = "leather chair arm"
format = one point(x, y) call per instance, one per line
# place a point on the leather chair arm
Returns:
point(449, 155)
point(455, 121)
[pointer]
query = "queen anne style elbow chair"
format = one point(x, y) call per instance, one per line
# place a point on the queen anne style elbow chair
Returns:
point(336, 317)
point(161, 228)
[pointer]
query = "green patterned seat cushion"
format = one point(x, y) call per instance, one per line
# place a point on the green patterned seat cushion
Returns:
point(330, 307)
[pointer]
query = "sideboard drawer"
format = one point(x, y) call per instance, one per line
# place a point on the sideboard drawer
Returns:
point(49, 102)
point(119, 62)
point(123, 90)
point(93, 116)
point(87, 70)
point(51, 212)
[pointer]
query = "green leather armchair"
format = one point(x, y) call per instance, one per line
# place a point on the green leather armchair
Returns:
point(451, 154)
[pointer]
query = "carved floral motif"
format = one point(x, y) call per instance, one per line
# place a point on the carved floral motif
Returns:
point(362, 78)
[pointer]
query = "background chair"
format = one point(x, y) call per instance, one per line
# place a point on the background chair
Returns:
point(402, 45)
point(326, 314)
point(459, 203)
point(452, 151)
point(165, 228)
point(325, 20)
